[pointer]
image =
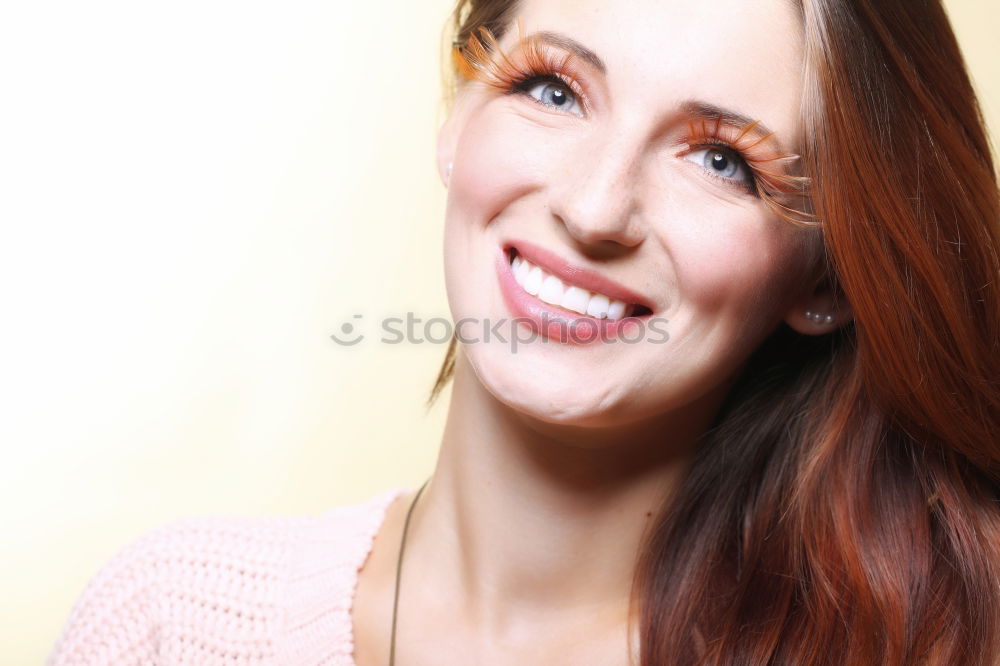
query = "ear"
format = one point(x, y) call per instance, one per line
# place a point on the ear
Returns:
point(820, 309)
point(447, 138)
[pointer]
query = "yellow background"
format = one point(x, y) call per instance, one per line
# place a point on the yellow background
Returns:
point(195, 196)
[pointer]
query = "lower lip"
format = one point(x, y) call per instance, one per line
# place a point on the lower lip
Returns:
point(555, 323)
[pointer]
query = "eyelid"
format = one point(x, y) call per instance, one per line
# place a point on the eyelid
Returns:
point(563, 69)
point(765, 164)
point(750, 186)
point(524, 87)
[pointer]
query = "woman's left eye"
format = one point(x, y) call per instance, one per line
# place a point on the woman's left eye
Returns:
point(551, 91)
point(726, 163)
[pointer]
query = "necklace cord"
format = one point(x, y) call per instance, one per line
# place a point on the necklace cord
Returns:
point(399, 568)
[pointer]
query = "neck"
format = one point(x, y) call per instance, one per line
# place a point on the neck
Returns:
point(524, 522)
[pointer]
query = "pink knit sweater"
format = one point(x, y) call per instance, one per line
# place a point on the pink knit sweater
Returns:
point(233, 591)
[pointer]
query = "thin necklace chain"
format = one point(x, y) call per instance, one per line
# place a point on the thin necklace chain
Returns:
point(399, 568)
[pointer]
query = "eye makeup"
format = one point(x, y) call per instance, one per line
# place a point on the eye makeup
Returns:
point(482, 59)
point(708, 127)
point(732, 138)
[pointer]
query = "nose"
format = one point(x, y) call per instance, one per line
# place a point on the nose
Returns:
point(596, 200)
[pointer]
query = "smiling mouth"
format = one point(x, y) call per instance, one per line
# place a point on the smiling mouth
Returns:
point(550, 289)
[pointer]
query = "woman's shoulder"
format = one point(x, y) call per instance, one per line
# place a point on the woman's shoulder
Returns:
point(249, 590)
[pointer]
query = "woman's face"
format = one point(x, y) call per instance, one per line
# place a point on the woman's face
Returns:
point(612, 181)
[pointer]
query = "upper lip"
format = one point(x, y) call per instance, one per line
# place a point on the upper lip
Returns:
point(572, 274)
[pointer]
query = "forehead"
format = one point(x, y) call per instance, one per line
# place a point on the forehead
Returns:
point(746, 55)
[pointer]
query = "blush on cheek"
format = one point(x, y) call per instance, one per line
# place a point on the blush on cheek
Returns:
point(494, 166)
point(723, 270)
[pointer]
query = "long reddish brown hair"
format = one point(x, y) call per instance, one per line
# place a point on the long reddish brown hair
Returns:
point(845, 507)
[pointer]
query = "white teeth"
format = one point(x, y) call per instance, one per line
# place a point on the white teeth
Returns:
point(521, 270)
point(598, 306)
point(616, 310)
point(551, 289)
point(533, 280)
point(576, 299)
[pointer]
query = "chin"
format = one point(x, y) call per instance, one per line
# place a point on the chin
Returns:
point(551, 390)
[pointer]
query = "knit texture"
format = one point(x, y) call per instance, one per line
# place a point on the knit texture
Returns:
point(234, 591)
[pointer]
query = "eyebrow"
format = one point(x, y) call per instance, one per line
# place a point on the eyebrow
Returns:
point(571, 45)
point(692, 107)
point(701, 109)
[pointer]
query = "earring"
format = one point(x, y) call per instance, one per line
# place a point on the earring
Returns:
point(447, 169)
point(819, 317)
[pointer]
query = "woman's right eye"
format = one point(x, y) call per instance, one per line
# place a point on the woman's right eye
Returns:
point(552, 91)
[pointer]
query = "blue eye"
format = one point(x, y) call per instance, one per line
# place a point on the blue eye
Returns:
point(725, 163)
point(550, 90)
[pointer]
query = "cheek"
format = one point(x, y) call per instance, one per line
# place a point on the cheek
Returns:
point(488, 173)
point(488, 179)
point(745, 265)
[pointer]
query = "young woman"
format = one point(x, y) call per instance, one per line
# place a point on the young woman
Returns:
point(737, 398)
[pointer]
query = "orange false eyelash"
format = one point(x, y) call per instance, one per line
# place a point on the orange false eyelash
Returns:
point(481, 59)
point(774, 185)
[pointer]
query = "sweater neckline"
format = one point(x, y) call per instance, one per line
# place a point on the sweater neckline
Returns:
point(379, 510)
